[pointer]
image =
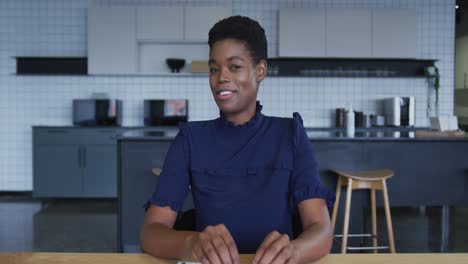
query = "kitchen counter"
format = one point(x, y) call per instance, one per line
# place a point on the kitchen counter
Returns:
point(168, 134)
point(377, 136)
point(314, 134)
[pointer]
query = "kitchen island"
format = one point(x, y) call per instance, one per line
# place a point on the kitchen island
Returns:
point(428, 171)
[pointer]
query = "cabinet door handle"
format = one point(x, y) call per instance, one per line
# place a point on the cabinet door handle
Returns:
point(84, 157)
point(79, 157)
point(464, 80)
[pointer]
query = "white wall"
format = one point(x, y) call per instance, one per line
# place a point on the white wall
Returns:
point(58, 28)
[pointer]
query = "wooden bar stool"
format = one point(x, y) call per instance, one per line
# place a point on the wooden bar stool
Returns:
point(370, 180)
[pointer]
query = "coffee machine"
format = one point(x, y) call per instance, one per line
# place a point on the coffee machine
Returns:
point(399, 111)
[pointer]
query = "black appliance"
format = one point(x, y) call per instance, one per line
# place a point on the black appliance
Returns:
point(97, 112)
point(165, 112)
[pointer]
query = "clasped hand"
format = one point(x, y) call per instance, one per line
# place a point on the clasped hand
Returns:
point(215, 245)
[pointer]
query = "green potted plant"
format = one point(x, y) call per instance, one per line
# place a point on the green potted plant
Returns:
point(433, 80)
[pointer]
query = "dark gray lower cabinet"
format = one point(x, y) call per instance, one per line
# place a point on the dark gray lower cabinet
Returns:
point(136, 185)
point(100, 171)
point(74, 162)
point(57, 171)
point(426, 173)
point(337, 156)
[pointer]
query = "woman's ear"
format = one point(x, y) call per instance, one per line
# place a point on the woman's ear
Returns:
point(261, 70)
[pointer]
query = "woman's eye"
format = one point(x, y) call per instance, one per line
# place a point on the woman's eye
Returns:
point(235, 67)
point(213, 70)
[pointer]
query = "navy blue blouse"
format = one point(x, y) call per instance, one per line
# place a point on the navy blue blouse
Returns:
point(250, 177)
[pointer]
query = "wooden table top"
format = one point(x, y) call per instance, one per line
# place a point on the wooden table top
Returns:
point(118, 258)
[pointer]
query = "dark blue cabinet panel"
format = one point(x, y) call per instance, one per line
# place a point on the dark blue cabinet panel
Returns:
point(425, 173)
point(74, 162)
point(58, 169)
point(337, 156)
point(100, 171)
point(136, 184)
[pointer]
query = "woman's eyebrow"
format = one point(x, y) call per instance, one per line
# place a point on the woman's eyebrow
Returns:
point(230, 59)
point(235, 58)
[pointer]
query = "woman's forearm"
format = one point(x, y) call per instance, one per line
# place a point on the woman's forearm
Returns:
point(314, 242)
point(161, 241)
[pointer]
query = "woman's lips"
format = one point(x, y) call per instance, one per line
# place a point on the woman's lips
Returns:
point(224, 95)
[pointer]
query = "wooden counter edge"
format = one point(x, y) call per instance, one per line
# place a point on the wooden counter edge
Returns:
point(120, 258)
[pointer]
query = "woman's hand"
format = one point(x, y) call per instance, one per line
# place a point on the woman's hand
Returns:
point(215, 245)
point(276, 249)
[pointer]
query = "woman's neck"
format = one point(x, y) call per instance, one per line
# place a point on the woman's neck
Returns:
point(241, 117)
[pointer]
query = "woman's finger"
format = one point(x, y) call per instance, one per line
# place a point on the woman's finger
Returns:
point(270, 238)
point(229, 242)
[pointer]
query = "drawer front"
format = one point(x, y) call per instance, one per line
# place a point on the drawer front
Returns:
point(101, 136)
point(68, 136)
point(56, 136)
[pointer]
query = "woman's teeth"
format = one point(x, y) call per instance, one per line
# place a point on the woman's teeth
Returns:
point(225, 92)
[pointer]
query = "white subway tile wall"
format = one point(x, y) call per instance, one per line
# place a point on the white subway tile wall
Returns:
point(58, 28)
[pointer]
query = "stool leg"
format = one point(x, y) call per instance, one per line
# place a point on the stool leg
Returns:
point(374, 219)
point(336, 206)
point(349, 190)
point(388, 216)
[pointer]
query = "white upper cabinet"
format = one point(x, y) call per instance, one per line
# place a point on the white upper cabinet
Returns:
point(199, 20)
point(301, 32)
point(353, 33)
point(177, 24)
point(348, 33)
point(111, 40)
point(160, 23)
point(138, 39)
point(394, 34)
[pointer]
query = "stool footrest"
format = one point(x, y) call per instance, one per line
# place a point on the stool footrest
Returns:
point(366, 248)
point(354, 235)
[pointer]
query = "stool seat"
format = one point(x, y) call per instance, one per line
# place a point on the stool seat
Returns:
point(372, 180)
point(372, 175)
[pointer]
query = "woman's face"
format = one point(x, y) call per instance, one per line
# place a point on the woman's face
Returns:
point(234, 77)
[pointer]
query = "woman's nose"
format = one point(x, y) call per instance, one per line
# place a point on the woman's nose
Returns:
point(224, 75)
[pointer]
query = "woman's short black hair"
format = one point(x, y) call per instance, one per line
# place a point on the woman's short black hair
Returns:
point(243, 29)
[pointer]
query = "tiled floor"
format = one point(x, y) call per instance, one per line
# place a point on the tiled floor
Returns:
point(58, 226)
point(91, 226)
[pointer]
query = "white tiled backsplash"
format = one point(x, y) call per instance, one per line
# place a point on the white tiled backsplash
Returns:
point(58, 28)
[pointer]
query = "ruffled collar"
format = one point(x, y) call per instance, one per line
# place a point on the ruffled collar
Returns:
point(255, 119)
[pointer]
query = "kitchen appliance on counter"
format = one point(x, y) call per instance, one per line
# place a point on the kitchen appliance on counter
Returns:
point(165, 112)
point(97, 112)
point(399, 111)
point(377, 120)
point(340, 117)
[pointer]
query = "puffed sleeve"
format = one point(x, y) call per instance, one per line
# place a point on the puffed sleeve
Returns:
point(305, 181)
point(173, 185)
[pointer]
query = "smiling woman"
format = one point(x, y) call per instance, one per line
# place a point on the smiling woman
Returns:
point(249, 174)
point(234, 79)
